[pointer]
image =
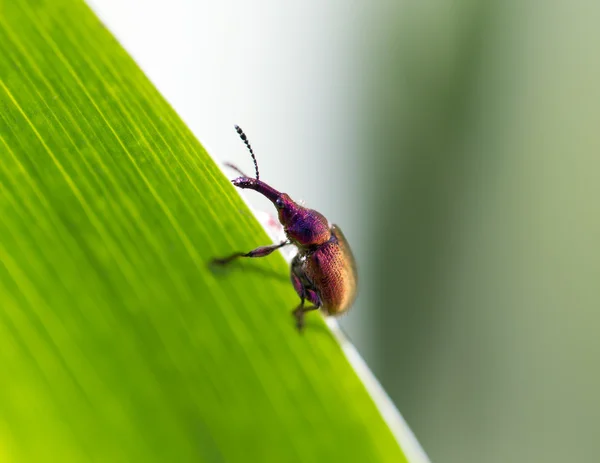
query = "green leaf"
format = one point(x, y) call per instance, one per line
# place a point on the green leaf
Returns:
point(117, 340)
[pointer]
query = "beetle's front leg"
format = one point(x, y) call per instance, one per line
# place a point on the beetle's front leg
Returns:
point(258, 252)
point(236, 168)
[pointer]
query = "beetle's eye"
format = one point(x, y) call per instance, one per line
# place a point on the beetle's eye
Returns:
point(279, 203)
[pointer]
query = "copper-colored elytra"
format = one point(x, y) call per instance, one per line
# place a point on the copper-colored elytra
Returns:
point(324, 270)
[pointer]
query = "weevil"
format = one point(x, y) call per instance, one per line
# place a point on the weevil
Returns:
point(323, 272)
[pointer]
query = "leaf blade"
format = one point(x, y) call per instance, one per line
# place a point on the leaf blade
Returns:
point(116, 331)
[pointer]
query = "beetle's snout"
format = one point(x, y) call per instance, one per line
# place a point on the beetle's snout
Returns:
point(242, 182)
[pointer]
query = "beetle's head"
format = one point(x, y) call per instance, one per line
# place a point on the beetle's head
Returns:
point(305, 227)
point(286, 208)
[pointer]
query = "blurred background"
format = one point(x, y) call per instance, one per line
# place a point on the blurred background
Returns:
point(457, 143)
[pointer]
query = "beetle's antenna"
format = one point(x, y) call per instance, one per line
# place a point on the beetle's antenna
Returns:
point(244, 138)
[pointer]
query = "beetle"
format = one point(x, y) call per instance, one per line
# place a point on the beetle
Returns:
point(323, 272)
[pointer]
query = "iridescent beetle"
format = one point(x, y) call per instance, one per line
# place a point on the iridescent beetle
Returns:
point(324, 271)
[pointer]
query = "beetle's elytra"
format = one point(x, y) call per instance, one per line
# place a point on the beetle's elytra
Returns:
point(324, 271)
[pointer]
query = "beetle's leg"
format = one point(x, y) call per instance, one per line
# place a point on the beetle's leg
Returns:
point(258, 252)
point(236, 168)
point(299, 312)
point(305, 290)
